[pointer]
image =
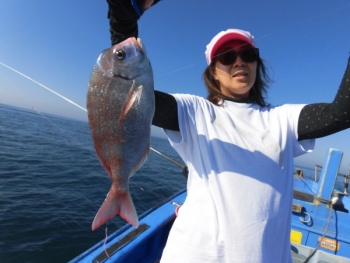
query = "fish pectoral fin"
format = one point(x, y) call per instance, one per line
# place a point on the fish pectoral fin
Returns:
point(116, 202)
point(134, 96)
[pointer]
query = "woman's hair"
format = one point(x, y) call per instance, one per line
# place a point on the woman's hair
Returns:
point(257, 93)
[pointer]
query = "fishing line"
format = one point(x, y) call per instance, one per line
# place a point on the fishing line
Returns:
point(104, 243)
point(80, 107)
point(40, 113)
point(142, 189)
point(176, 70)
point(54, 92)
point(264, 36)
point(171, 160)
point(305, 20)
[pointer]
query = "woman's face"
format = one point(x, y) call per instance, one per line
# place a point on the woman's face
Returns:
point(238, 78)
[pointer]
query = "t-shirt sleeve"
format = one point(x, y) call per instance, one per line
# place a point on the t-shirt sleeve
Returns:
point(303, 146)
point(189, 107)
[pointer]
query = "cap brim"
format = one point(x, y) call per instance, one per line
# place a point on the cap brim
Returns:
point(227, 38)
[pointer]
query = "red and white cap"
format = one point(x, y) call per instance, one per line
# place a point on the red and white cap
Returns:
point(226, 36)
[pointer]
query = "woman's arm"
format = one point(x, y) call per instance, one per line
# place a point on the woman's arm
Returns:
point(123, 16)
point(165, 114)
point(322, 119)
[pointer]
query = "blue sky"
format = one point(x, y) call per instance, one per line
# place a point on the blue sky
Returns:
point(305, 45)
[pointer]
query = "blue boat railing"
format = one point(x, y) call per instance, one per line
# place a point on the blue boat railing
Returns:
point(320, 217)
point(346, 177)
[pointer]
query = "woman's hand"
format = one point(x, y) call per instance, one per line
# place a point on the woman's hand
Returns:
point(123, 16)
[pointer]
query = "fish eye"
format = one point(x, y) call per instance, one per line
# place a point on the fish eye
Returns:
point(120, 54)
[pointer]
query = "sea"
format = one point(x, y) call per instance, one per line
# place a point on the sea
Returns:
point(52, 185)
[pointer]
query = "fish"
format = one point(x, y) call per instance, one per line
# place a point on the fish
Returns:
point(120, 107)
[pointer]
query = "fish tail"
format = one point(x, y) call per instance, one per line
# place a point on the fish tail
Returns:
point(116, 202)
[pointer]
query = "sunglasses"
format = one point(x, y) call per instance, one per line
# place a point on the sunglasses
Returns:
point(229, 57)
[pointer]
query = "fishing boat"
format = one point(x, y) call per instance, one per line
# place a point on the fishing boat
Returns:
point(320, 214)
point(320, 223)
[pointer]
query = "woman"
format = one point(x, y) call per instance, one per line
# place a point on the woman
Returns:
point(239, 151)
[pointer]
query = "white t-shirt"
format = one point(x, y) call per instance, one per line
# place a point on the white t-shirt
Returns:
point(240, 185)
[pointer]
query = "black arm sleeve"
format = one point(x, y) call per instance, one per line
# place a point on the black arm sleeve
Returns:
point(322, 119)
point(165, 114)
point(123, 19)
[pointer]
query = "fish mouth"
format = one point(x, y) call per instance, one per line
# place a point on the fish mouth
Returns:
point(124, 73)
point(127, 78)
point(122, 77)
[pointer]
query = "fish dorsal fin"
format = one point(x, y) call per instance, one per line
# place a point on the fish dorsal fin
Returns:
point(134, 96)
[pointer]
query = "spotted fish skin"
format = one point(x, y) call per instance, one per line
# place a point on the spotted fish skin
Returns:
point(120, 105)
